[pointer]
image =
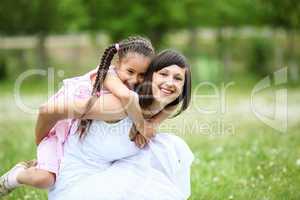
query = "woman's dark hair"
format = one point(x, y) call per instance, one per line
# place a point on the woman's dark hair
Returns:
point(165, 59)
point(135, 44)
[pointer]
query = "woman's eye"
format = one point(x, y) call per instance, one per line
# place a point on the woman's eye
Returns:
point(163, 74)
point(178, 78)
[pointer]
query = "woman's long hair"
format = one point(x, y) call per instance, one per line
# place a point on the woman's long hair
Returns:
point(165, 59)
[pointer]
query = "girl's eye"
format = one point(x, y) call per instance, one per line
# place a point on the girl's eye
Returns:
point(163, 74)
point(141, 75)
point(130, 71)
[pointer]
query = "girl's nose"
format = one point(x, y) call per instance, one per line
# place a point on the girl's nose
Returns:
point(134, 80)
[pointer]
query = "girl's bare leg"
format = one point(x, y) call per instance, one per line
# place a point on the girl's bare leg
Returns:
point(25, 173)
point(36, 178)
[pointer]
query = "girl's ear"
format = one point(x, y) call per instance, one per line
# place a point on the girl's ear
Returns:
point(116, 62)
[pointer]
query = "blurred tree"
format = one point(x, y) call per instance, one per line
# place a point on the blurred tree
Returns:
point(219, 14)
point(258, 59)
point(120, 19)
point(3, 70)
point(283, 14)
point(233, 14)
point(278, 13)
point(21, 18)
point(40, 18)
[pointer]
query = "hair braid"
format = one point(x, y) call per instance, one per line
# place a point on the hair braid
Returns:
point(134, 44)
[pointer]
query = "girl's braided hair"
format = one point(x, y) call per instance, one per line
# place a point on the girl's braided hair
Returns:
point(136, 44)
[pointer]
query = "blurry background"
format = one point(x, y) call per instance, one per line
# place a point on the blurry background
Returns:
point(222, 38)
point(237, 156)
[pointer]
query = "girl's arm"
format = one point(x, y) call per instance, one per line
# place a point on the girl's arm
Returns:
point(107, 108)
point(130, 102)
point(152, 125)
point(157, 119)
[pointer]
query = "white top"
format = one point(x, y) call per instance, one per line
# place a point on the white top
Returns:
point(161, 171)
point(104, 143)
point(106, 165)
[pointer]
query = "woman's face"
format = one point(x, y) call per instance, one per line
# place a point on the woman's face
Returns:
point(167, 83)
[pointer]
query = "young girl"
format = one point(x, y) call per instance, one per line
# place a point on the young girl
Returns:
point(134, 56)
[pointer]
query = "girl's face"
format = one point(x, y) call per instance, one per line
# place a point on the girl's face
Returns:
point(167, 83)
point(131, 69)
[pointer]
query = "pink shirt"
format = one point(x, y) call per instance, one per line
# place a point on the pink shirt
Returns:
point(79, 87)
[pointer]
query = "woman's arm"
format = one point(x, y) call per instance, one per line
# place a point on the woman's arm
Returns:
point(107, 108)
point(130, 102)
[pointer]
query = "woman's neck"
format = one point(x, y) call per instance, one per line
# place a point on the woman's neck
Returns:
point(154, 109)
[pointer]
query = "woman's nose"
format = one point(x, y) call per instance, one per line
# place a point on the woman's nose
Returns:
point(169, 82)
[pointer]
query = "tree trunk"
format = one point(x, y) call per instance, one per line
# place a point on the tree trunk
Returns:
point(222, 54)
point(291, 58)
point(42, 56)
point(278, 60)
point(192, 52)
point(156, 37)
point(21, 60)
point(192, 44)
point(3, 70)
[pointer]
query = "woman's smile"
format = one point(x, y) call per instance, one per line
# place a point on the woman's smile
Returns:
point(166, 90)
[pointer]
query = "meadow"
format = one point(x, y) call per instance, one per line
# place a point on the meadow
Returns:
point(237, 156)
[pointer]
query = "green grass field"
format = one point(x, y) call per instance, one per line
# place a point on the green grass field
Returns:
point(237, 156)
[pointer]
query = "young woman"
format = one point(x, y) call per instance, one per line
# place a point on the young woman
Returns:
point(106, 155)
point(160, 171)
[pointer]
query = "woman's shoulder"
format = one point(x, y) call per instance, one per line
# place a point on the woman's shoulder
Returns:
point(177, 144)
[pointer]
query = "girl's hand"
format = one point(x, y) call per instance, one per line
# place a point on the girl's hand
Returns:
point(140, 141)
point(137, 138)
point(149, 129)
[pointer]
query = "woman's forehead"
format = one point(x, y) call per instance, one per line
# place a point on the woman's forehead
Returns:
point(174, 69)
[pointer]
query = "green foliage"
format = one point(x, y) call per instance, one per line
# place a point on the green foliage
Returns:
point(152, 18)
point(122, 18)
point(279, 13)
point(259, 58)
point(20, 17)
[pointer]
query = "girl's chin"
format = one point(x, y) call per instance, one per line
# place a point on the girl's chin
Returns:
point(129, 86)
